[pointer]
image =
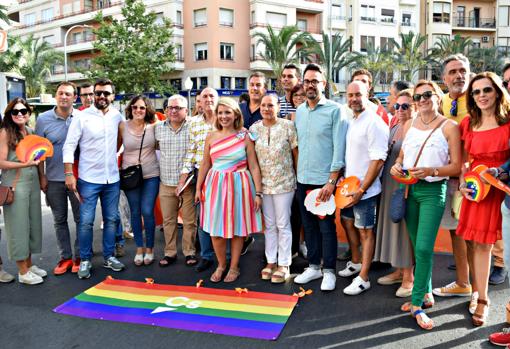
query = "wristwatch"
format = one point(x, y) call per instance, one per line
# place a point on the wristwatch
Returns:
point(260, 195)
point(332, 181)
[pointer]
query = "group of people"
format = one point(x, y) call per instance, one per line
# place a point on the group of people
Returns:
point(234, 170)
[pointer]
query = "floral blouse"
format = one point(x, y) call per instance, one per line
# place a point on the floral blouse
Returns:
point(273, 146)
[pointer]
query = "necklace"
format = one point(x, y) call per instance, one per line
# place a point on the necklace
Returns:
point(428, 123)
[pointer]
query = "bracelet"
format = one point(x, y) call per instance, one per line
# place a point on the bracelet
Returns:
point(260, 195)
point(68, 174)
point(361, 190)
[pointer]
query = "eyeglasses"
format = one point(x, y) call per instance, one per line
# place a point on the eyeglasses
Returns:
point(175, 108)
point(426, 96)
point(505, 83)
point(485, 90)
point(453, 109)
point(23, 111)
point(404, 106)
point(300, 95)
point(311, 82)
point(87, 95)
point(105, 93)
point(136, 107)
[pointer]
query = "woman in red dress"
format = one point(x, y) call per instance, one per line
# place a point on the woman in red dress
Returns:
point(485, 135)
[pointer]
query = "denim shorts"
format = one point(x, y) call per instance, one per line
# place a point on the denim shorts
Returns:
point(363, 213)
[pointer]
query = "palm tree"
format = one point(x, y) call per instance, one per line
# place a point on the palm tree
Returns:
point(408, 54)
point(283, 47)
point(486, 59)
point(376, 61)
point(342, 56)
point(3, 14)
point(37, 59)
point(446, 46)
point(10, 59)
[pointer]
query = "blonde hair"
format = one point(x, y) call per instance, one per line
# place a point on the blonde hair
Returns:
point(232, 104)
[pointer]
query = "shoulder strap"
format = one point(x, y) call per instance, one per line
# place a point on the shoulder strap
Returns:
point(141, 144)
point(426, 139)
point(16, 179)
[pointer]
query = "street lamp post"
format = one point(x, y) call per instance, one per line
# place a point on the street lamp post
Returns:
point(65, 44)
point(188, 84)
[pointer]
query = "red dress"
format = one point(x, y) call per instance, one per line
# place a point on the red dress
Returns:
point(481, 221)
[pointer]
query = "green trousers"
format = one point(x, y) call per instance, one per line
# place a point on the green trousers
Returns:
point(425, 206)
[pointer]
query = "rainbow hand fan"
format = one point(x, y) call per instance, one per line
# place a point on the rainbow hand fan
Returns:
point(406, 178)
point(479, 188)
point(34, 147)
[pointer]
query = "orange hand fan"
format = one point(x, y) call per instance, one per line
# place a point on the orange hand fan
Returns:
point(348, 185)
point(34, 147)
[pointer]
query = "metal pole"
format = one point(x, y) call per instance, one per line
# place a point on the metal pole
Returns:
point(65, 44)
point(189, 102)
point(330, 70)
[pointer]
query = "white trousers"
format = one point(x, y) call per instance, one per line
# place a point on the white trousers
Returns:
point(278, 233)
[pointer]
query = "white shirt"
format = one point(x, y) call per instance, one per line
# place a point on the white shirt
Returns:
point(96, 135)
point(367, 140)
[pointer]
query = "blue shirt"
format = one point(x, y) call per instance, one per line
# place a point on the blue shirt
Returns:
point(53, 127)
point(249, 118)
point(285, 107)
point(321, 141)
point(506, 168)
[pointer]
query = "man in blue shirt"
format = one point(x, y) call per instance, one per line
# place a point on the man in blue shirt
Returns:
point(256, 90)
point(321, 130)
point(53, 125)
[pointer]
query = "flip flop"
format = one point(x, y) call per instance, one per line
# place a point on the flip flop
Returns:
point(232, 275)
point(423, 321)
point(166, 261)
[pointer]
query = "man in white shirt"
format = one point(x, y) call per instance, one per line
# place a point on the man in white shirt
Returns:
point(95, 132)
point(366, 151)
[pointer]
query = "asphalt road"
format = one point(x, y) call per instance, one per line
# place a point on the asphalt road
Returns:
point(321, 320)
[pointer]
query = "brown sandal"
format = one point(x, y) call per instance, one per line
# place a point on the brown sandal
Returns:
point(232, 275)
point(217, 275)
point(480, 318)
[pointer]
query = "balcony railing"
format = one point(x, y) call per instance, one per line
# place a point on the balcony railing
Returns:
point(368, 19)
point(87, 38)
point(70, 14)
point(474, 22)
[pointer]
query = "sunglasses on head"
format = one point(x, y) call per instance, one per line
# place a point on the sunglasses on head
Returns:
point(404, 106)
point(105, 93)
point(15, 112)
point(426, 96)
point(485, 90)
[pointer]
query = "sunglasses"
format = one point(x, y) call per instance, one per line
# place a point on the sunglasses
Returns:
point(426, 96)
point(404, 106)
point(104, 93)
point(485, 90)
point(135, 107)
point(453, 109)
point(87, 95)
point(505, 83)
point(23, 111)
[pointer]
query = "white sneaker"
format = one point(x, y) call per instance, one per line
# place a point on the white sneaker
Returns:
point(5, 276)
point(30, 278)
point(308, 275)
point(303, 249)
point(350, 269)
point(357, 286)
point(328, 281)
point(38, 271)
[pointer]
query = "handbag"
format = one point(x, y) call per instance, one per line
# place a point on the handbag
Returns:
point(399, 196)
point(7, 193)
point(132, 177)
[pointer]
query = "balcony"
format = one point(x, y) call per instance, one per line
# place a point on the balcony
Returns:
point(87, 38)
point(474, 23)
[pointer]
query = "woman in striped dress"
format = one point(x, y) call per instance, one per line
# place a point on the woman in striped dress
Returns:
point(230, 197)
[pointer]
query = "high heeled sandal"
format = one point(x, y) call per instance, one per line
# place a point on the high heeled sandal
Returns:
point(480, 319)
point(217, 275)
point(473, 302)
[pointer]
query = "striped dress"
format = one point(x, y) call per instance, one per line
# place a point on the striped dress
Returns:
point(228, 193)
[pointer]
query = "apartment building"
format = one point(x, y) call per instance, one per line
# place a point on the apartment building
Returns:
point(503, 27)
point(214, 38)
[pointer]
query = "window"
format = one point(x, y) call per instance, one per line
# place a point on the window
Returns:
point(336, 12)
point(277, 20)
point(82, 64)
point(387, 16)
point(225, 82)
point(76, 6)
point(252, 55)
point(47, 15)
point(176, 84)
point(201, 51)
point(406, 19)
point(50, 39)
point(476, 43)
point(103, 3)
point(67, 9)
point(240, 83)
point(368, 13)
point(504, 45)
point(178, 53)
point(252, 17)
point(29, 19)
point(195, 86)
point(503, 16)
point(302, 25)
point(178, 17)
point(461, 14)
point(203, 82)
point(227, 51)
point(76, 37)
point(226, 17)
point(366, 43)
point(200, 17)
point(88, 35)
point(160, 19)
point(386, 44)
point(441, 12)
point(88, 5)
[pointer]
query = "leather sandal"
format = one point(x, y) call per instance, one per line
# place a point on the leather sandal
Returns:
point(217, 275)
point(267, 272)
point(166, 261)
point(232, 275)
point(478, 318)
point(423, 320)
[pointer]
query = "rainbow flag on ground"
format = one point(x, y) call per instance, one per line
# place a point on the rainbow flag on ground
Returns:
point(244, 314)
